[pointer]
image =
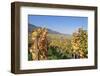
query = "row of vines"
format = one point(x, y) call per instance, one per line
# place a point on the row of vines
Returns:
point(42, 46)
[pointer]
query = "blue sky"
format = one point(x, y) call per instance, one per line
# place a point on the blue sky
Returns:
point(62, 24)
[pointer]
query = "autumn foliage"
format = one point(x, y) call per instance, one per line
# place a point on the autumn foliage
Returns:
point(45, 46)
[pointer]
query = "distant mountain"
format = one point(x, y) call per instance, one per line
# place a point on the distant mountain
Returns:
point(53, 32)
point(32, 27)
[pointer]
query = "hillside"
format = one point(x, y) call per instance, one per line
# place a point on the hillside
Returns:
point(51, 32)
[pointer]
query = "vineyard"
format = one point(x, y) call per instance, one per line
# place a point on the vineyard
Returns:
point(43, 45)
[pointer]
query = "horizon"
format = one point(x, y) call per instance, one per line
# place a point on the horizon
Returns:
point(61, 24)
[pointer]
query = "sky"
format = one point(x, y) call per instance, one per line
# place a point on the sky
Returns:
point(62, 24)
